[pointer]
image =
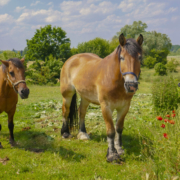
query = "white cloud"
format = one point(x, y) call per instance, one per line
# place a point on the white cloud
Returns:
point(172, 9)
point(34, 4)
point(50, 4)
point(6, 18)
point(18, 9)
point(3, 2)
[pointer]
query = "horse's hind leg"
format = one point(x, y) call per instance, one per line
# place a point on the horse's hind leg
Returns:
point(82, 112)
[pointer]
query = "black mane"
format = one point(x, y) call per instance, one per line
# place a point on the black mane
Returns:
point(16, 62)
point(132, 47)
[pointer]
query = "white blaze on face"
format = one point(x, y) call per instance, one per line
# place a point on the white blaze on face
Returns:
point(130, 78)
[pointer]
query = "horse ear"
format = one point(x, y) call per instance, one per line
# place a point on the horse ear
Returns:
point(140, 39)
point(122, 40)
point(6, 63)
point(22, 60)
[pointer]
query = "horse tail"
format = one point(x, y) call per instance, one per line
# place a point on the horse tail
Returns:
point(73, 114)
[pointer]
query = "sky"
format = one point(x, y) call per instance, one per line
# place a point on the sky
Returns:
point(84, 20)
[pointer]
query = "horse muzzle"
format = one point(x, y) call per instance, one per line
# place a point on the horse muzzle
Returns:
point(131, 87)
point(24, 93)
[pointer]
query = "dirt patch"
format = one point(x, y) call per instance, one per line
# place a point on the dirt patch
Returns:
point(4, 160)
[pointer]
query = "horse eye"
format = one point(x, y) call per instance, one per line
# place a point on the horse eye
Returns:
point(121, 58)
point(11, 73)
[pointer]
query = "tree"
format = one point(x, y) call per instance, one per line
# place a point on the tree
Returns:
point(152, 40)
point(46, 41)
point(132, 31)
point(97, 46)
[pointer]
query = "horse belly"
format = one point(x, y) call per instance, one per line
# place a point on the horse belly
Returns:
point(89, 94)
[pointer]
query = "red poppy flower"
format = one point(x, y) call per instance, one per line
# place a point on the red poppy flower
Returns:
point(166, 120)
point(171, 122)
point(159, 118)
point(167, 115)
point(165, 135)
point(163, 125)
point(173, 115)
point(173, 111)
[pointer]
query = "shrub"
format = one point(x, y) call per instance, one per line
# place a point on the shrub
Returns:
point(150, 62)
point(160, 69)
point(172, 65)
point(47, 72)
point(165, 94)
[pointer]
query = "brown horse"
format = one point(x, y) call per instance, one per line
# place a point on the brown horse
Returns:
point(110, 82)
point(12, 83)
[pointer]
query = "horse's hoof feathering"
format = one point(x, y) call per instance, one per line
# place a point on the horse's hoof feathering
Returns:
point(83, 136)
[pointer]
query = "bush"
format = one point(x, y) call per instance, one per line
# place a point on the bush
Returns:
point(160, 55)
point(165, 94)
point(172, 65)
point(149, 62)
point(160, 69)
point(47, 72)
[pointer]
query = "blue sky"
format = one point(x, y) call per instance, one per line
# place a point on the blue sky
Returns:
point(84, 19)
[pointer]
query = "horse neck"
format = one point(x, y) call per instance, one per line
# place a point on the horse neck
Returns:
point(114, 65)
point(4, 85)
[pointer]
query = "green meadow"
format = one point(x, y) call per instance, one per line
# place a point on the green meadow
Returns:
point(41, 152)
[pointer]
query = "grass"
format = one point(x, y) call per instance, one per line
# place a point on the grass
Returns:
point(42, 153)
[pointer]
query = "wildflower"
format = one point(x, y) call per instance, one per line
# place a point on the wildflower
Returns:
point(167, 115)
point(173, 111)
point(165, 135)
point(159, 118)
point(171, 122)
point(166, 120)
point(163, 125)
point(173, 115)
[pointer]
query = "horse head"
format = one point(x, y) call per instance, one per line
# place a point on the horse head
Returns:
point(15, 76)
point(130, 56)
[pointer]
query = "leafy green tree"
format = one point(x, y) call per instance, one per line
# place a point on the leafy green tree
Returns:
point(44, 72)
point(172, 65)
point(160, 69)
point(74, 51)
point(152, 40)
point(158, 41)
point(160, 55)
point(48, 40)
point(150, 62)
point(97, 46)
point(132, 31)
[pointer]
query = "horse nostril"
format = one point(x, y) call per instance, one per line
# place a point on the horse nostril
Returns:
point(22, 91)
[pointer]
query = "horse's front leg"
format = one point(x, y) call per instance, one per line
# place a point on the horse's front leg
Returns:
point(121, 113)
point(11, 126)
point(110, 130)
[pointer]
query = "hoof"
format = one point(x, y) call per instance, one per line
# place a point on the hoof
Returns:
point(12, 143)
point(113, 156)
point(1, 147)
point(120, 151)
point(83, 136)
point(66, 135)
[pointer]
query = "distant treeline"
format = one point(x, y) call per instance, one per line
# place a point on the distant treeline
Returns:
point(175, 50)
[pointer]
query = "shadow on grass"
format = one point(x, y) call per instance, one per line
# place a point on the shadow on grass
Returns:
point(130, 142)
point(39, 142)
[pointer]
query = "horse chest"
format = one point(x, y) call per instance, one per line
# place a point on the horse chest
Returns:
point(7, 104)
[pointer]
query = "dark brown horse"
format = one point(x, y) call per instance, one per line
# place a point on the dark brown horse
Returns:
point(110, 82)
point(12, 83)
